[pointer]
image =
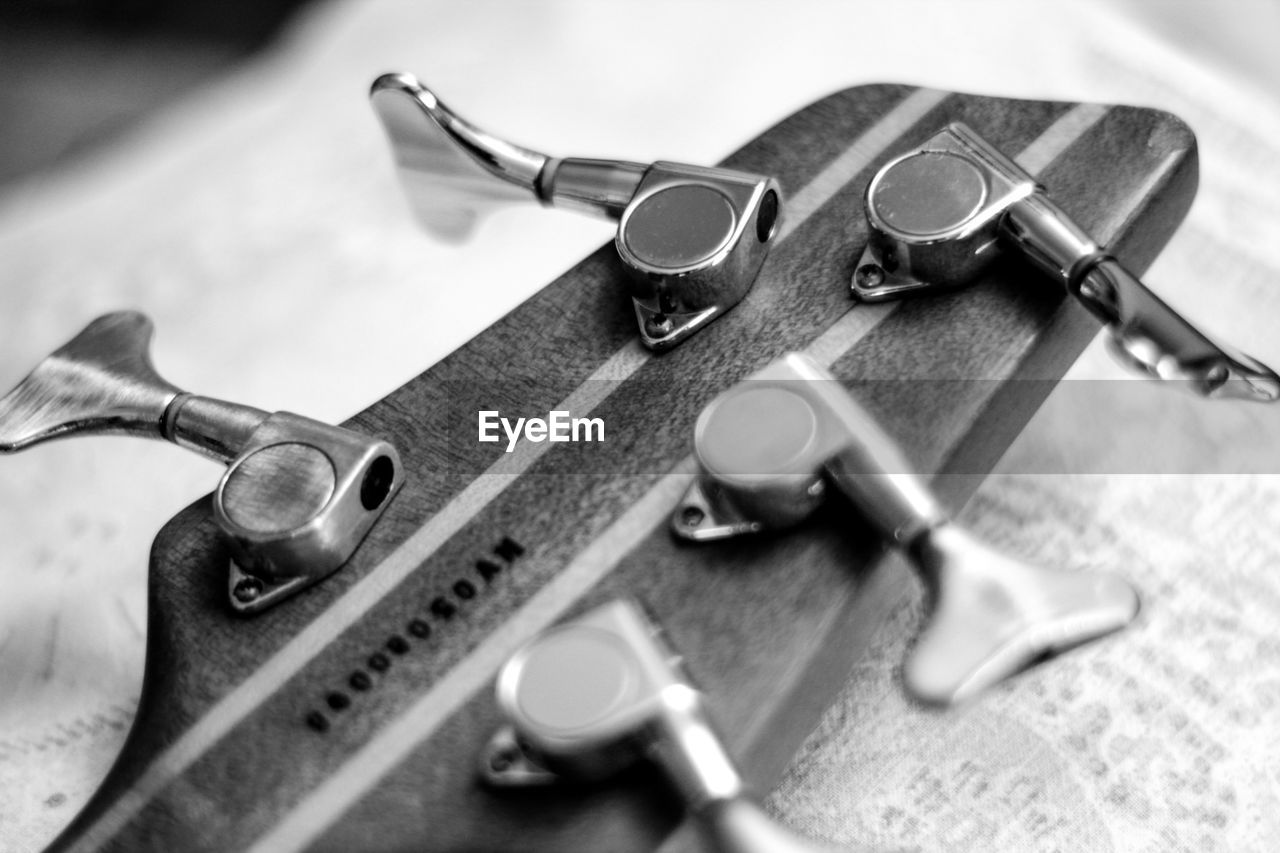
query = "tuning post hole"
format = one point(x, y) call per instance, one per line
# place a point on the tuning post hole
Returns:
point(692, 239)
point(939, 215)
point(298, 495)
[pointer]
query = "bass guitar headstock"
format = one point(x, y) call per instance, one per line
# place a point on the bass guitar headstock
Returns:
point(355, 714)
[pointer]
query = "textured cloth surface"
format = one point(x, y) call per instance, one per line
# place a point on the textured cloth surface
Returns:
point(260, 225)
point(1164, 738)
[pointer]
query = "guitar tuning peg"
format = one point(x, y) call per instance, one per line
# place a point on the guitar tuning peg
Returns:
point(691, 238)
point(590, 697)
point(935, 214)
point(298, 495)
point(769, 447)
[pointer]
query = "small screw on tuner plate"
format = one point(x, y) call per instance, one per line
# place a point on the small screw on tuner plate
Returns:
point(691, 238)
point(298, 495)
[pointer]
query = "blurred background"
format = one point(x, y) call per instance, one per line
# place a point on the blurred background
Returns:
point(79, 72)
point(215, 164)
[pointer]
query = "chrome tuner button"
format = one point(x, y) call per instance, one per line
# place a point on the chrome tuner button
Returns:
point(691, 238)
point(939, 215)
point(770, 449)
point(590, 697)
point(298, 495)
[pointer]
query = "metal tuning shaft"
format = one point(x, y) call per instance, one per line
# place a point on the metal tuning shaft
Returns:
point(692, 238)
point(937, 215)
point(298, 495)
point(593, 696)
point(769, 448)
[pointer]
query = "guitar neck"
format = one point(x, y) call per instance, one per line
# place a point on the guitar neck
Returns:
point(352, 717)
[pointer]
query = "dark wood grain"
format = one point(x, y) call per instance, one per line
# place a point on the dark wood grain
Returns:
point(769, 627)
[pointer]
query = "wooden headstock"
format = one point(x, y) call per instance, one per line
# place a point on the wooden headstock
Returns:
point(352, 716)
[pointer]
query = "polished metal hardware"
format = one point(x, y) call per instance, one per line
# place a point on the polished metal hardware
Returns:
point(939, 215)
point(692, 238)
point(771, 447)
point(593, 696)
point(298, 495)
